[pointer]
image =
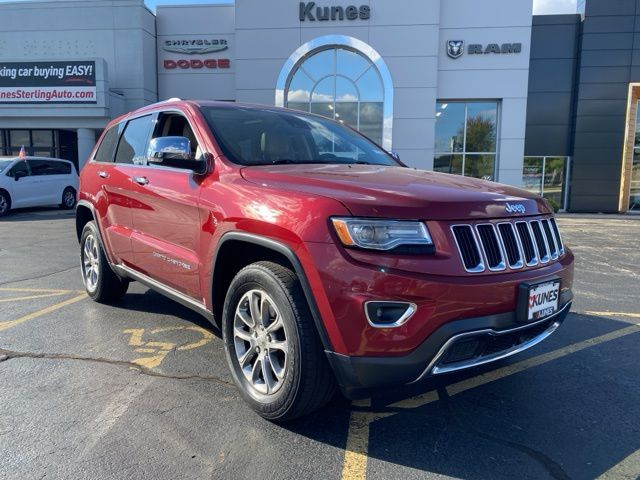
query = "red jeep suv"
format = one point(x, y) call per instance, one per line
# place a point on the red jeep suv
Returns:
point(324, 260)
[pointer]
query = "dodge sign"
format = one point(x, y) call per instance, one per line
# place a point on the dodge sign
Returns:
point(48, 82)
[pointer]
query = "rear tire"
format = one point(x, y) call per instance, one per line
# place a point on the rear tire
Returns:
point(5, 203)
point(267, 327)
point(68, 199)
point(100, 282)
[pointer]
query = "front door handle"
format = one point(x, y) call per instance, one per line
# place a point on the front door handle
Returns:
point(141, 180)
point(103, 174)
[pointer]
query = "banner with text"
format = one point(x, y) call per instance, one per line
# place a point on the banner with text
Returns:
point(48, 82)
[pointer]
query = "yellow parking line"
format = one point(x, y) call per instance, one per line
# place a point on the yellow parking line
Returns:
point(627, 468)
point(39, 313)
point(354, 466)
point(37, 290)
point(30, 297)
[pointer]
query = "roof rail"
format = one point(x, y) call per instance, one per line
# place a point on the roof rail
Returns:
point(174, 99)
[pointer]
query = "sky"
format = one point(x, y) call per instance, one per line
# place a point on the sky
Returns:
point(541, 7)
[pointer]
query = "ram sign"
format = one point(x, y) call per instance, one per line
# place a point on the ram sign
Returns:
point(48, 82)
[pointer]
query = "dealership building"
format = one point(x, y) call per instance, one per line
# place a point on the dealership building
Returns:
point(482, 89)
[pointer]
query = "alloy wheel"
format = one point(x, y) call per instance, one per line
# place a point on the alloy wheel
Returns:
point(69, 199)
point(90, 262)
point(260, 342)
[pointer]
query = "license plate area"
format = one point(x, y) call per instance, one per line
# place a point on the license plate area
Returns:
point(538, 300)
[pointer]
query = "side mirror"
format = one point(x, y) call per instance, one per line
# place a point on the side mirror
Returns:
point(174, 152)
point(18, 175)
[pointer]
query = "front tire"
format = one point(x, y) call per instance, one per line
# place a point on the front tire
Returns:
point(274, 353)
point(68, 199)
point(100, 282)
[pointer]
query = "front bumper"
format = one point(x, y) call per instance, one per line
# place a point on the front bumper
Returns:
point(457, 345)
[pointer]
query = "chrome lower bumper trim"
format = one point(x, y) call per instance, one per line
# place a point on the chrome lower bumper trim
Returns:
point(434, 369)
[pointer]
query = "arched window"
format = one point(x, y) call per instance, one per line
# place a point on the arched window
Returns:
point(344, 80)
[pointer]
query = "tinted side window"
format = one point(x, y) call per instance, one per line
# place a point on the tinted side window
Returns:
point(19, 167)
point(62, 168)
point(133, 143)
point(43, 167)
point(108, 146)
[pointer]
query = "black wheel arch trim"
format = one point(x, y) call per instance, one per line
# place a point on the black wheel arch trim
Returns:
point(288, 253)
point(88, 205)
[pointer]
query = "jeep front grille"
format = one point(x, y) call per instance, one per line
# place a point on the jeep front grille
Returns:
point(512, 245)
point(468, 248)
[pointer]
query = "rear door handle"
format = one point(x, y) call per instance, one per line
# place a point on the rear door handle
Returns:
point(103, 174)
point(141, 180)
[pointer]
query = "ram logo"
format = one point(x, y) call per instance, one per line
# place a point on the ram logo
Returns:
point(455, 48)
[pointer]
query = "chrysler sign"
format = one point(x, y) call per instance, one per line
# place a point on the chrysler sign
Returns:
point(48, 82)
point(198, 46)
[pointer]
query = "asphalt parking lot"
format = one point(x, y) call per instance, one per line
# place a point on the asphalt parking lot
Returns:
point(141, 390)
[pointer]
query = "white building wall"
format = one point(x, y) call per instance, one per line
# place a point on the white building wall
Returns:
point(411, 37)
point(119, 35)
point(405, 37)
point(502, 77)
point(194, 22)
point(394, 33)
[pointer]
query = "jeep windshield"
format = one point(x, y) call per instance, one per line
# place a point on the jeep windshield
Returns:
point(252, 136)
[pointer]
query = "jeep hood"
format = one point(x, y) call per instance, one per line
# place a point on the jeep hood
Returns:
point(396, 192)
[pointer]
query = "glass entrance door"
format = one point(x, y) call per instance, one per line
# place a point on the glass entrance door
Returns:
point(634, 193)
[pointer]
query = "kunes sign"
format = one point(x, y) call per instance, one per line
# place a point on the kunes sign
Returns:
point(309, 11)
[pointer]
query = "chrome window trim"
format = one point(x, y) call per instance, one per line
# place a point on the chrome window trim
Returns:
point(481, 266)
point(502, 265)
point(368, 51)
point(520, 264)
point(432, 369)
point(411, 309)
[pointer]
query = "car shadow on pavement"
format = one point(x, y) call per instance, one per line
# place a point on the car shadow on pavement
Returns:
point(37, 214)
point(152, 302)
point(572, 417)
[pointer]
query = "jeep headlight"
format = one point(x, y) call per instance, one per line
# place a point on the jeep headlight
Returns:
point(381, 234)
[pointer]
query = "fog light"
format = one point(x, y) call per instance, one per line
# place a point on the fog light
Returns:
point(389, 314)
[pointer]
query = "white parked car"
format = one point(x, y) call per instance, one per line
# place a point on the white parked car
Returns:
point(37, 181)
